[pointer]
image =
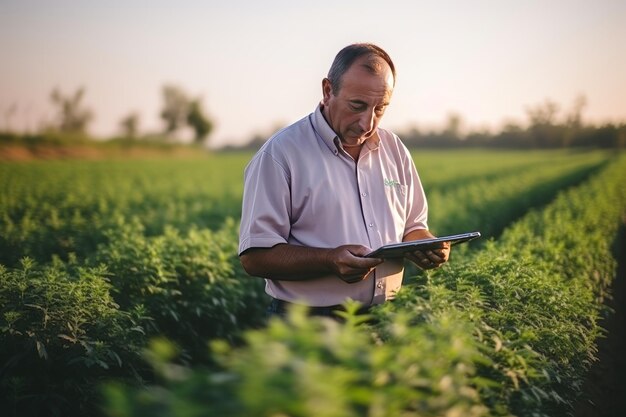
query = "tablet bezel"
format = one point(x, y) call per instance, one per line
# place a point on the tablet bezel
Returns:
point(398, 250)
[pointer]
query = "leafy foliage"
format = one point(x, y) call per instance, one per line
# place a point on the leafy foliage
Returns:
point(190, 285)
point(318, 367)
point(490, 202)
point(535, 295)
point(117, 253)
point(61, 332)
point(506, 330)
point(59, 208)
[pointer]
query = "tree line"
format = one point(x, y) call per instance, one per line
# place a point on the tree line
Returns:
point(179, 111)
point(546, 128)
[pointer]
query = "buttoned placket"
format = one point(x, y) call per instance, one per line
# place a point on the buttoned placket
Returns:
point(367, 210)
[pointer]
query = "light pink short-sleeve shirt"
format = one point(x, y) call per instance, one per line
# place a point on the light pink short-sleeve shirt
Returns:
point(302, 188)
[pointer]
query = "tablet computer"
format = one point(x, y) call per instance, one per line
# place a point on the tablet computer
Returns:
point(398, 250)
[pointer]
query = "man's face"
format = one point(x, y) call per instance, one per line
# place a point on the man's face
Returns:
point(356, 110)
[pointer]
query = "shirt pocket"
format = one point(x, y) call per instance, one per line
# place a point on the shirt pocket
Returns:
point(397, 200)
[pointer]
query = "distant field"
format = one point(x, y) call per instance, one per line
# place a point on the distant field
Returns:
point(58, 207)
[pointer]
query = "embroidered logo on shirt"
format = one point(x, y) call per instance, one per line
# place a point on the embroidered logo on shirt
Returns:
point(391, 183)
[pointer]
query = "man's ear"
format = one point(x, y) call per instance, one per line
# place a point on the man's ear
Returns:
point(327, 90)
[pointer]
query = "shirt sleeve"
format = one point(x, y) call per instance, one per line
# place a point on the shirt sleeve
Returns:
point(266, 204)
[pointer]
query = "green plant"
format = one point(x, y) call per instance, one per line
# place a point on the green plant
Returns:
point(187, 283)
point(60, 333)
point(318, 367)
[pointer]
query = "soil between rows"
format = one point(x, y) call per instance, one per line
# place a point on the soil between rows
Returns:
point(604, 391)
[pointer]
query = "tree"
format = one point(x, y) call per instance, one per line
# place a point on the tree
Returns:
point(543, 129)
point(200, 124)
point(574, 117)
point(180, 110)
point(130, 125)
point(543, 114)
point(573, 121)
point(72, 116)
point(175, 108)
point(8, 115)
point(453, 125)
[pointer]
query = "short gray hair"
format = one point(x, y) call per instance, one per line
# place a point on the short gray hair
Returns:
point(348, 55)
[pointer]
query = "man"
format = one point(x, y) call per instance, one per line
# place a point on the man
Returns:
point(322, 193)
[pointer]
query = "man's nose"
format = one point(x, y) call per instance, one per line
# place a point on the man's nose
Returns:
point(366, 122)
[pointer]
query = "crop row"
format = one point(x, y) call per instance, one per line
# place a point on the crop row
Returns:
point(474, 205)
point(510, 329)
point(457, 168)
point(59, 208)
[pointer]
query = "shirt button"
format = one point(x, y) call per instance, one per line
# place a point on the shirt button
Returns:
point(364, 194)
point(371, 225)
point(379, 285)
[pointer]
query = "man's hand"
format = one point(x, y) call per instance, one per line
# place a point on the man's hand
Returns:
point(427, 259)
point(349, 264)
point(432, 258)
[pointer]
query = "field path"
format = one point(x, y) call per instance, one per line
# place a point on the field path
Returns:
point(605, 388)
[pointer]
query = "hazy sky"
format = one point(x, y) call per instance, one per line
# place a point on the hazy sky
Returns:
point(259, 64)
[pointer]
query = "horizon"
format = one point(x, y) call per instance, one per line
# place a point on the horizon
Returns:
point(257, 67)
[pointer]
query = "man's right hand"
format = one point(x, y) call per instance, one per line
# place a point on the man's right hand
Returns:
point(349, 264)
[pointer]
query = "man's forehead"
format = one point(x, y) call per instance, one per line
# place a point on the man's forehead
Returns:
point(367, 96)
point(361, 85)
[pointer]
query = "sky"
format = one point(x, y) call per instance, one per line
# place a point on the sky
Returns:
point(258, 65)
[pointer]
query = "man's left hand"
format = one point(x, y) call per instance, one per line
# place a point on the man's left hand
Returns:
point(431, 258)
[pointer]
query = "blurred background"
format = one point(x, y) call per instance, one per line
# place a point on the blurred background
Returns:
point(228, 74)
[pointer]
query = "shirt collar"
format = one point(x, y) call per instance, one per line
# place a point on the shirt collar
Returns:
point(323, 129)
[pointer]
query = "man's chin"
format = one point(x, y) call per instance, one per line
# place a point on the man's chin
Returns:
point(360, 138)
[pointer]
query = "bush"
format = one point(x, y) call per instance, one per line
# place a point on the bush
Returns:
point(60, 333)
point(317, 367)
point(191, 284)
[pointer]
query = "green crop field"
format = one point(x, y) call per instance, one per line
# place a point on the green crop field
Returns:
point(121, 294)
